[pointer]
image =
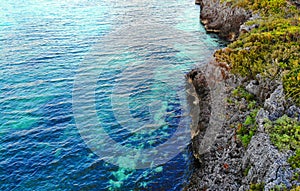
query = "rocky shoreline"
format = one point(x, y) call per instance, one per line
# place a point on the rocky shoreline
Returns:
point(241, 153)
point(220, 18)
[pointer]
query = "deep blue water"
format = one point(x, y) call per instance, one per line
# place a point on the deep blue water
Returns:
point(92, 93)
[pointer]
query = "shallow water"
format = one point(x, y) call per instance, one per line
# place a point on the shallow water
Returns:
point(116, 68)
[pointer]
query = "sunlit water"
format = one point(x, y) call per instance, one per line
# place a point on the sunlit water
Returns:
point(139, 52)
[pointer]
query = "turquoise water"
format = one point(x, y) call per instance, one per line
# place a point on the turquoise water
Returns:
point(92, 93)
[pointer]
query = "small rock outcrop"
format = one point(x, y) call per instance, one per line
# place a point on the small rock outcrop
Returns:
point(219, 18)
point(198, 79)
point(275, 103)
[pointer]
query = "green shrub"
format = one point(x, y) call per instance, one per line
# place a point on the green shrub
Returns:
point(252, 105)
point(285, 134)
point(280, 187)
point(272, 50)
point(257, 187)
point(246, 130)
point(295, 159)
point(264, 7)
point(240, 92)
point(246, 171)
point(296, 189)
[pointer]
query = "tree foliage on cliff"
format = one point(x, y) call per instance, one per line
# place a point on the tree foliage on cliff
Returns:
point(272, 49)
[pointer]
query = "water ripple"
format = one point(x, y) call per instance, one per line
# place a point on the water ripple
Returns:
point(139, 51)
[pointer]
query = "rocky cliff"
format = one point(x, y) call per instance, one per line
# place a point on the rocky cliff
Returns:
point(247, 137)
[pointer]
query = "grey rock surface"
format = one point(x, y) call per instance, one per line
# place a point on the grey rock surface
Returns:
point(215, 146)
point(222, 19)
point(253, 87)
point(267, 165)
point(293, 112)
point(228, 165)
point(246, 28)
point(275, 104)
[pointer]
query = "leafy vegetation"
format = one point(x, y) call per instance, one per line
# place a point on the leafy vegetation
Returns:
point(246, 171)
point(295, 159)
point(257, 187)
point(263, 7)
point(252, 105)
point(240, 92)
point(285, 134)
point(246, 130)
point(280, 187)
point(272, 49)
point(296, 176)
point(296, 189)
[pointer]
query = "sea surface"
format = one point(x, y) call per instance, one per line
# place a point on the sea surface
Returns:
point(93, 94)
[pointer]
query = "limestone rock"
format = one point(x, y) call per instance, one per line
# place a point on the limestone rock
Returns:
point(222, 19)
point(275, 104)
point(253, 87)
point(267, 164)
point(293, 111)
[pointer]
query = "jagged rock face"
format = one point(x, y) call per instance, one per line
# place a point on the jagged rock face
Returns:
point(293, 111)
point(219, 18)
point(223, 165)
point(201, 86)
point(275, 103)
point(219, 156)
point(265, 162)
point(219, 169)
point(261, 87)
